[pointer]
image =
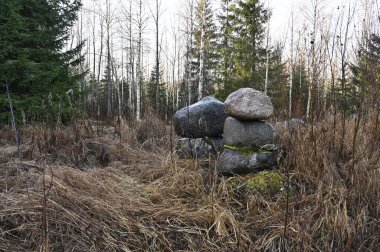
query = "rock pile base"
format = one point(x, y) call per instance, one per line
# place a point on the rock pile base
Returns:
point(246, 133)
point(198, 148)
point(243, 161)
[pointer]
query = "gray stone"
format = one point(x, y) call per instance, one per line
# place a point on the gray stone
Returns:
point(248, 133)
point(232, 162)
point(201, 119)
point(198, 147)
point(249, 104)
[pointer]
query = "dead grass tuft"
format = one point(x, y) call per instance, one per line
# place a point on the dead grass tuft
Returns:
point(127, 196)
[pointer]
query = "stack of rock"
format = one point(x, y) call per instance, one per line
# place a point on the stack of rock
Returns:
point(201, 126)
point(248, 139)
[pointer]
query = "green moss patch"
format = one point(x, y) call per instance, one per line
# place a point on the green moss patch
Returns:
point(247, 150)
point(265, 182)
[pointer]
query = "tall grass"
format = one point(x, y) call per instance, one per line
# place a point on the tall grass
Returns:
point(141, 199)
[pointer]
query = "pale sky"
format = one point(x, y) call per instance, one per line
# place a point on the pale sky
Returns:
point(281, 10)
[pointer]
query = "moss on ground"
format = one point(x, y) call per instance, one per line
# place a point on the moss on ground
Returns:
point(266, 182)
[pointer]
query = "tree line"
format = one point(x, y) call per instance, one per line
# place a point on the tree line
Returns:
point(59, 59)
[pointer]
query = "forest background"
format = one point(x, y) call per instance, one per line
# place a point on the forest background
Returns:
point(134, 58)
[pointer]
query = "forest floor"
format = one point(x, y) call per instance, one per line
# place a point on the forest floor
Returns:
point(101, 187)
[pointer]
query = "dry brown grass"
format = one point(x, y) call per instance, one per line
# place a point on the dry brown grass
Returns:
point(125, 193)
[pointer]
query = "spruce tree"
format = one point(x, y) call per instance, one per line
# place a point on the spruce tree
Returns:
point(151, 92)
point(366, 74)
point(33, 63)
point(250, 18)
point(225, 48)
point(241, 45)
point(299, 89)
point(277, 79)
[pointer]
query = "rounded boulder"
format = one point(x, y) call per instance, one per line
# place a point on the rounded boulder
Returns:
point(248, 133)
point(202, 119)
point(249, 104)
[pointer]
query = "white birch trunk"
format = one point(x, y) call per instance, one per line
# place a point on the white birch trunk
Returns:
point(267, 65)
point(138, 76)
point(201, 54)
point(131, 61)
point(266, 83)
point(189, 48)
point(291, 66)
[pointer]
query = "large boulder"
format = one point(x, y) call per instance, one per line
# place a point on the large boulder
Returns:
point(232, 162)
point(249, 104)
point(248, 133)
point(201, 119)
point(198, 147)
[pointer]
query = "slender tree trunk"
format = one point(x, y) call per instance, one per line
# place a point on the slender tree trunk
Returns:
point(267, 62)
point(178, 75)
point(118, 93)
point(300, 87)
point(122, 75)
point(190, 25)
point(100, 61)
point(309, 86)
point(202, 52)
point(174, 85)
point(291, 65)
point(226, 56)
point(157, 58)
point(324, 86)
point(109, 80)
point(138, 76)
point(94, 64)
point(79, 53)
point(331, 56)
point(14, 127)
point(167, 84)
point(343, 55)
point(131, 62)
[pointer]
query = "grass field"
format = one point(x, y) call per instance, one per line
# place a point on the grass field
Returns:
point(104, 187)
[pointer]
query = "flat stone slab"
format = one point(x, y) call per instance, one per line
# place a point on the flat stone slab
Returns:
point(234, 162)
point(198, 148)
point(202, 119)
point(248, 133)
point(249, 104)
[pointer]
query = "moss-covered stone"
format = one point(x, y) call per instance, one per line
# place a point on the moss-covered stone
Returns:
point(247, 150)
point(265, 182)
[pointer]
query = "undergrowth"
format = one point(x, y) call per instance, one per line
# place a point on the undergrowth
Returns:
point(93, 187)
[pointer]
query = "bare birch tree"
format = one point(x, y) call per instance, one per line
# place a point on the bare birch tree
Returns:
point(141, 23)
point(291, 63)
point(202, 8)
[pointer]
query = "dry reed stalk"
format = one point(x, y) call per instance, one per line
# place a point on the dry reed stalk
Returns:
point(142, 201)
